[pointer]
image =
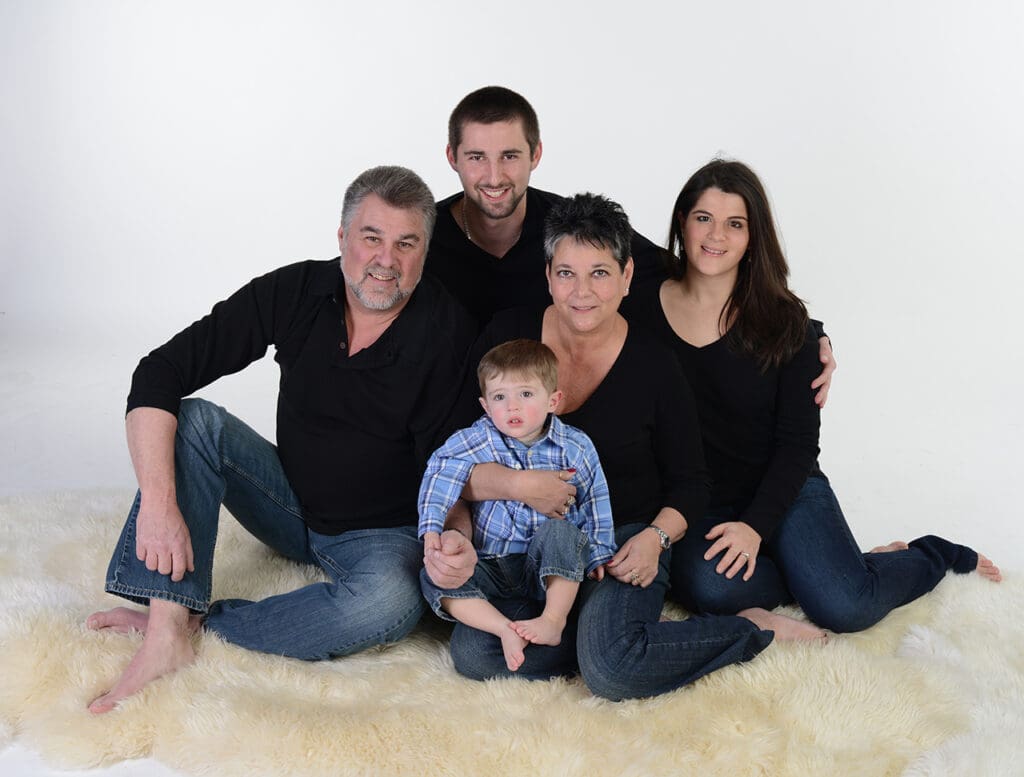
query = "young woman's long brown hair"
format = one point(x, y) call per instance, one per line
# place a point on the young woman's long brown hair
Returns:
point(765, 319)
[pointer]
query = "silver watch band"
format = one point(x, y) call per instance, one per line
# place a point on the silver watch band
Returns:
point(663, 538)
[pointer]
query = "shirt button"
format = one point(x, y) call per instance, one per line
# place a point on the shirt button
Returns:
point(342, 345)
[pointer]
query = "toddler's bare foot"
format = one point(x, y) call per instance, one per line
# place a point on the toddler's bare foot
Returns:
point(120, 619)
point(543, 630)
point(897, 545)
point(786, 629)
point(513, 645)
point(988, 570)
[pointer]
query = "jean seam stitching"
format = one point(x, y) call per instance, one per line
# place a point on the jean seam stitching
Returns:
point(261, 487)
point(152, 593)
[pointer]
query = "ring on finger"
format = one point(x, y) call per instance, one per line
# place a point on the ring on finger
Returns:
point(634, 578)
point(745, 555)
point(570, 500)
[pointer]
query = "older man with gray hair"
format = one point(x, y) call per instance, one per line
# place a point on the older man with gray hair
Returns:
point(370, 359)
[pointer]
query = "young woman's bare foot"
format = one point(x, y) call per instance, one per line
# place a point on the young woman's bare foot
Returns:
point(786, 629)
point(543, 630)
point(988, 570)
point(120, 619)
point(892, 546)
point(513, 646)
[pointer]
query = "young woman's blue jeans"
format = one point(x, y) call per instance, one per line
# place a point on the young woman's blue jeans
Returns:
point(812, 559)
point(621, 648)
point(556, 548)
point(373, 595)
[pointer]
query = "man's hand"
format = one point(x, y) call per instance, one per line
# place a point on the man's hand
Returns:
point(824, 381)
point(162, 540)
point(547, 491)
point(449, 558)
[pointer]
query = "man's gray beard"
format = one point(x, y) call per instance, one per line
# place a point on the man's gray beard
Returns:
point(377, 302)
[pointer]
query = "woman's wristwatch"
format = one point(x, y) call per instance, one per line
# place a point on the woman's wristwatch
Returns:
point(663, 539)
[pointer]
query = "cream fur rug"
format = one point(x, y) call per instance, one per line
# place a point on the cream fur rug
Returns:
point(935, 689)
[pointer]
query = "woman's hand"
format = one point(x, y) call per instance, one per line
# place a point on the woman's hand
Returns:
point(549, 492)
point(740, 543)
point(636, 563)
point(824, 381)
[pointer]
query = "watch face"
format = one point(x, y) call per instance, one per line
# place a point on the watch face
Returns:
point(663, 539)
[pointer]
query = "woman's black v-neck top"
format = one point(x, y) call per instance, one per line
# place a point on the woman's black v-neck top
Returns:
point(760, 429)
point(642, 419)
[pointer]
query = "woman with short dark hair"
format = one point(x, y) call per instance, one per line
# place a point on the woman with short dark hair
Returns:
point(628, 393)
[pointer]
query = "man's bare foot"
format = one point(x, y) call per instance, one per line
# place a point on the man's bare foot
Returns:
point(158, 656)
point(988, 570)
point(892, 546)
point(166, 647)
point(543, 630)
point(125, 620)
point(512, 645)
point(786, 629)
point(120, 619)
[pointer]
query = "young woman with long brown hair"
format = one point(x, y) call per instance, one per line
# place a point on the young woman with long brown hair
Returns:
point(774, 532)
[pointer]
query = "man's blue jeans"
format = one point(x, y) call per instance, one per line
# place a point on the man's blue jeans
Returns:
point(557, 548)
point(812, 559)
point(622, 649)
point(373, 596)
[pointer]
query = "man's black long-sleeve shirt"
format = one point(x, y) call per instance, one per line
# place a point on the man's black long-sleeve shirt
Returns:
point(353, 433)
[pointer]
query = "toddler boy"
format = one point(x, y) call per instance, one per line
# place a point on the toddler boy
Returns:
point(520, 550)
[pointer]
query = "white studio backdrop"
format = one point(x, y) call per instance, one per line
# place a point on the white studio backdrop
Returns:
point(156, 155)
